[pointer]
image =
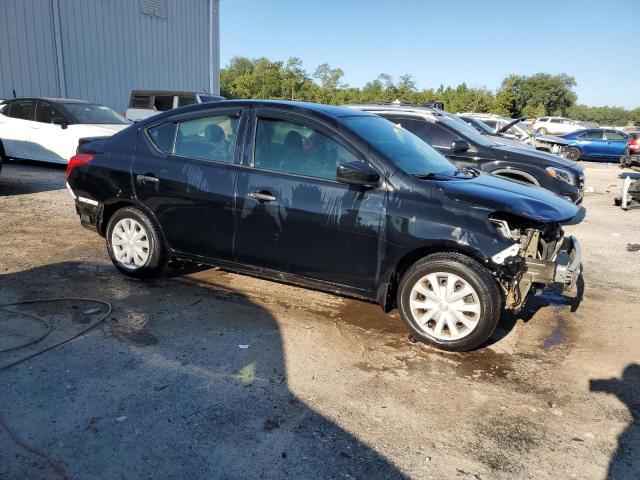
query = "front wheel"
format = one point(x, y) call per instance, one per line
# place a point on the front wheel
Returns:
point(542, 131)
point(134, 243)
point(573, 153)
point(450, 301)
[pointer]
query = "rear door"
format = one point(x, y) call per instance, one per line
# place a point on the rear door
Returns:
point(294, 216)
point(185, 172)
point(15, 128)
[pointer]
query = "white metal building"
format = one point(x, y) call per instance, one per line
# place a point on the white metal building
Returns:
point(100, 50)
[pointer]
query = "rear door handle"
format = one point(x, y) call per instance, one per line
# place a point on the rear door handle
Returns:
point(262, 197)
point(142, 179)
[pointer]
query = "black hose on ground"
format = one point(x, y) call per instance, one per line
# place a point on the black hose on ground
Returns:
point(47, 323)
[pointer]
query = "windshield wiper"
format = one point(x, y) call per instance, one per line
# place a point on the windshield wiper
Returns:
point(430, 176)
point(474, 172)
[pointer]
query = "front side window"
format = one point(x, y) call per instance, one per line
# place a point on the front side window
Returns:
point(46, 112)
point(20, 109)
point(556, 120)
point(208, 138)
point(615, 136)
point(291, 147)
point(407, 151)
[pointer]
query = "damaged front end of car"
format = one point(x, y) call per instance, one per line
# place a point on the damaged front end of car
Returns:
point(540, 256)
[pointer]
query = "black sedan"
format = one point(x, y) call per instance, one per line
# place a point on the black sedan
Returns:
point(329, 198)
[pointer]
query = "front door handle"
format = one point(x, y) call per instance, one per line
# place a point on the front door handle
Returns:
point(142, 179)
point(262, 196)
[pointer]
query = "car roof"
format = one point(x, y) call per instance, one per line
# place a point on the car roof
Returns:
point(318, 109)
point(49, 99)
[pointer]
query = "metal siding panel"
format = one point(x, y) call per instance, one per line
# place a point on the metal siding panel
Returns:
point(109, 48)
point(27, 56)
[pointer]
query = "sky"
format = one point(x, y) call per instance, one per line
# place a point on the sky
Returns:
point(448, 42)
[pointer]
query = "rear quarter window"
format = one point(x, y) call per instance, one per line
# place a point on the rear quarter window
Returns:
point(163, 135)
point(140, 101)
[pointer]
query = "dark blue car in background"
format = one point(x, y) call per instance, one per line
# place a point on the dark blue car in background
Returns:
point(596, 144)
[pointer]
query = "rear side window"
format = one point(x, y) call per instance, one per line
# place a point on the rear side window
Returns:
point(163, 135)
point(592, 135)
point(140, 101)
point(20, 109)
point(162, 103)
point(208, 138)
point(291, 147)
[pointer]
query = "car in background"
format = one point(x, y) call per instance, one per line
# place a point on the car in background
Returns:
point(49, 129)
point(145, 103)
point(516, 129)
point(556, 125)
point(596, 144)
point(466, 146)
point(329, 198)
point(490, 133)
point(631, 156)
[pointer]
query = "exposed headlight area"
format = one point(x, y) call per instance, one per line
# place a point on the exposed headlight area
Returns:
point(560, 174)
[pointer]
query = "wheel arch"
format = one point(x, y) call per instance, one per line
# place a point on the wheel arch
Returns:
point(108, 209)
point(516, 175)
point(387, 289)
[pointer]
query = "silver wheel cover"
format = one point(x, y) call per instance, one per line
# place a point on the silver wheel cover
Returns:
point(130, 244)
point(445, 306)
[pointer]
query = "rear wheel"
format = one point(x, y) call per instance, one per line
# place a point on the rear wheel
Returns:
point(573, 153)
point(450, 301)
point(134, 243)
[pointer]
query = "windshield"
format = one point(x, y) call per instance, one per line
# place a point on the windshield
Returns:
point(408, 152)
point(468, 131)
point(479, 124)
point(95, 114)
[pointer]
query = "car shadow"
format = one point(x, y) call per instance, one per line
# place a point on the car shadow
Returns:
point(19, 177)
point(625, 462)
point(632, 175)
point(551, 297)
point(183, 380)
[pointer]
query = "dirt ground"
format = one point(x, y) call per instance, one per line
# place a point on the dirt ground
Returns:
point(217, 375)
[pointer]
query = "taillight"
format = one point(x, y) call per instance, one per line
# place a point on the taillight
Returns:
point(77, 160)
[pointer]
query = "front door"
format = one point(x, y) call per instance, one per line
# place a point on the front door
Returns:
point(52, 142)
point(185, 172)
point(294, 216)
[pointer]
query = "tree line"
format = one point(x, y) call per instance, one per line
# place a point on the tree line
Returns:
point(518, 95)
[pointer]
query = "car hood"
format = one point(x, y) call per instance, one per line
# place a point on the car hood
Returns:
point(509, 142)
point(550, 138)
point(540, 157)
point(510, 196)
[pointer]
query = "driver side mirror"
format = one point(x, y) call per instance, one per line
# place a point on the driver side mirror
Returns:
point(459, 146)
point(60, 121)
point(357, 173)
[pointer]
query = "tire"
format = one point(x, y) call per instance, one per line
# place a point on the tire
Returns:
point(573, 153)
point(542, 131)
point(461, 273)
point(147, 257)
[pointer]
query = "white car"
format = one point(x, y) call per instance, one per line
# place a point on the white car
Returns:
point(146, 103)
point(556, 125)
point(48, 129)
